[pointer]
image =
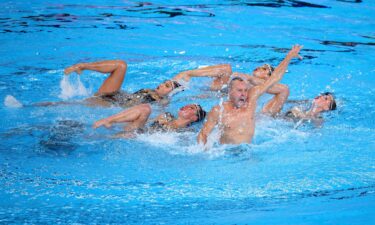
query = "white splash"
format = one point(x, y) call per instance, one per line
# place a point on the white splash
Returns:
point(55, 71)
point(183, 143)
point(271, 132)
point(159, 138)
point(12, 102)
point(69, 89)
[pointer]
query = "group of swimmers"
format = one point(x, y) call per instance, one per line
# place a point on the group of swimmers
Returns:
point(235, 117)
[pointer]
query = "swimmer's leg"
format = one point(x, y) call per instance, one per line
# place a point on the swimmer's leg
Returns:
point(136, 117)
point(275, 105)
point(116, 68)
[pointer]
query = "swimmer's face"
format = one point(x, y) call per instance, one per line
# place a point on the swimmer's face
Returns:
point(262, 72)
point(164, 88)
point(238, 93)
point(189, 112)
point(323, 102)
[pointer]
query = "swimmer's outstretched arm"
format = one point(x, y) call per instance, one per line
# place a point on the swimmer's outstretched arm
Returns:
point(211, 122)
point(136, 117)
point(116, 68)
point(221, 74)
point(278, 73)
point(209, 71)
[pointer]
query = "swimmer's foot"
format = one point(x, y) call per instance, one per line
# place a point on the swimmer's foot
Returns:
point(102, 122)
point(75, 68)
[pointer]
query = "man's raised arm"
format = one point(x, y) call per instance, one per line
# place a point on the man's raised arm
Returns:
point(277, 74)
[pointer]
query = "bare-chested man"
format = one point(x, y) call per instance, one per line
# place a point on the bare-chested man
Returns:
point(279, 91)
point(236, 116)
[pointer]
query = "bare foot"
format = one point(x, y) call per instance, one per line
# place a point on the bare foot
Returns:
point(75, 68)
point(102, 122)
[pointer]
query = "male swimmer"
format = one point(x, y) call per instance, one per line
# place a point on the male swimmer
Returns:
point(236, 116)
point(259, 75)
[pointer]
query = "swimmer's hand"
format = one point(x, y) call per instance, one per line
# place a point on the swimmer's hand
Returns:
point(294, 52)
point(75, 68)
point(102, 122)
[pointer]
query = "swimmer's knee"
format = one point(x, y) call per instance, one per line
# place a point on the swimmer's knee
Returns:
point(121, 64)
point(285, 91)
point(145, 109)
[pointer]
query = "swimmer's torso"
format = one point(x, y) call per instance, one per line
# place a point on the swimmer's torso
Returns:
point(296, 114)
point(162, 123)
point(237, 125)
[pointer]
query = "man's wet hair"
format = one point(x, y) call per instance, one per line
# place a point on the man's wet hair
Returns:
point(234, 79)
point(333, 105)
point(201, 114)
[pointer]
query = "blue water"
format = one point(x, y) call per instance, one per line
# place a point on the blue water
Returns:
point(55, 169)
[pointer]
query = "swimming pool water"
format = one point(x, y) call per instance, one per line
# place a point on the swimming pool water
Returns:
point(54, 168)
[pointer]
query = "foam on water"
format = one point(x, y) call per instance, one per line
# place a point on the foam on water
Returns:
point(270, 131)
point(159, 138)
point(184, 143)
point(12, 102)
